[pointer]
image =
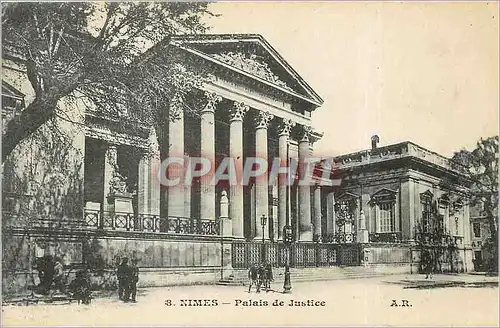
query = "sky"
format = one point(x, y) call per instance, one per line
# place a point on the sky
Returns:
point(425, 72)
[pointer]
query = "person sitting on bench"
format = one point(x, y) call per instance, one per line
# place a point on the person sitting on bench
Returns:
point(80, 288)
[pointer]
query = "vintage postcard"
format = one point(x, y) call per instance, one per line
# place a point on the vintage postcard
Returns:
point(250, 163)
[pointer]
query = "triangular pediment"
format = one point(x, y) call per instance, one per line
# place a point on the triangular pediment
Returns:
point(428, 195)
point(347, 196)
point(383, 194)
point(252, 55)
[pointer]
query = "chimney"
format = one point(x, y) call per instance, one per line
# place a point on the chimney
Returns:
point(375, 141)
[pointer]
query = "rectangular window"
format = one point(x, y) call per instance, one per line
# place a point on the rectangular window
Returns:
point(385, 214)
point(476, 227)
point(426, 216)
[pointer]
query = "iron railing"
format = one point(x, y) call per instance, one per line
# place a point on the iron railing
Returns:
point(150, 223)
point(303, 254)
point(340, 238)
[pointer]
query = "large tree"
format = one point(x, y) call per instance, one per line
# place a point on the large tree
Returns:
point(482, 163)
point(96, 51)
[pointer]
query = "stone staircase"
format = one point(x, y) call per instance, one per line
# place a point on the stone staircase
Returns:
point(239, 276)
point(229, 281)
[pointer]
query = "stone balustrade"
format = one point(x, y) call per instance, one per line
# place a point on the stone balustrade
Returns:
point(401, 150)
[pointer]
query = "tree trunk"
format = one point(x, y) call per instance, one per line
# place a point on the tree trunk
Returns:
point(26, 123)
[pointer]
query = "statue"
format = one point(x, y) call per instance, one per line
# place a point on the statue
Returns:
point(118, 184)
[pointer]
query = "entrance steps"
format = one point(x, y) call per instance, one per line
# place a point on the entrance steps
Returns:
point(229, 281)
point(239, 276)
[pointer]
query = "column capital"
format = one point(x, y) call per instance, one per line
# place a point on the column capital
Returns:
point(176, 107)
point(262, 120)
point(111, 154)
point(305, 133)
point(285, 127)
point(212, 100)
point(238, 111)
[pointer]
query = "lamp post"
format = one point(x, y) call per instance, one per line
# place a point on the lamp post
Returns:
point(263, 221)
point(287, 238)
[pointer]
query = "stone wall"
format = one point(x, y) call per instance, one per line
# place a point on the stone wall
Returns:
point(159, 253)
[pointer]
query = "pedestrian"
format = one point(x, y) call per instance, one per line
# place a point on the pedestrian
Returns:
point(253, 278)
point(261, 272)
point(134, 278)
point(122, 274)
point(269, 276)
point(427, 263)
point(58, 275)
point(45, 273)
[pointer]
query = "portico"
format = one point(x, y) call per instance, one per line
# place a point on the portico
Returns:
point(255, 105)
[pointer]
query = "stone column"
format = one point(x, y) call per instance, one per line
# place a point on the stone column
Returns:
point(261, 123)
point(175, 194)
point(408, 209)
point(466, 225)
point(154, 181)
point(330, 216)
point(207, 140)
point(148, 183)
point(237, 113)
point(284, 134)
point(317, 212)
point(305, 228)
point(143, 189)
point(110, 163)
point(362, 232)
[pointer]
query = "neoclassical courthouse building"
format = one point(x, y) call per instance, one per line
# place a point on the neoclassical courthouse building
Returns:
point(255, 106)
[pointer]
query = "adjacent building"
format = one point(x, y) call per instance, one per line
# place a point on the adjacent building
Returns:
point(481, 239)
point(399, 201)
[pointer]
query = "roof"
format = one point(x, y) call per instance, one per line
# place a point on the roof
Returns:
point(406, 149)
point(249, 54)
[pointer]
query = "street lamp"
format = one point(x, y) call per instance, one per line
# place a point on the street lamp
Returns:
point(287, 239)
point(263, 221)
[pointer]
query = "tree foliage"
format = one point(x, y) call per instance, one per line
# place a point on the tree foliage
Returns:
point(482, 163)
point(98, 52)
point(437, 247)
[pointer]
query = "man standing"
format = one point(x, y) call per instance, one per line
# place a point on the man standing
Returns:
point(122, 274)
point(59, 275)
point(134, 278)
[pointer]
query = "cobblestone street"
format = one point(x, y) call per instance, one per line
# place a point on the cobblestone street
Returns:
point(443, 301)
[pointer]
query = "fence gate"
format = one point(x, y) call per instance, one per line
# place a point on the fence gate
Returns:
point(302, 255)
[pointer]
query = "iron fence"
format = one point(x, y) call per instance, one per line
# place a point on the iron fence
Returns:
point(303, 254)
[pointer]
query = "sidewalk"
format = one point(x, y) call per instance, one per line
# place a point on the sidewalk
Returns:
point(445, 280)
point(350, 302)
point(416, 281)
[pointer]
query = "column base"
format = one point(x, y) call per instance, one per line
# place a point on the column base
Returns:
point(306, 236)
point(363, 236)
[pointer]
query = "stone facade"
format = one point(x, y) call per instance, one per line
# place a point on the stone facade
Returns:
point(480, 236)
point(107, 192)
point(386, 196)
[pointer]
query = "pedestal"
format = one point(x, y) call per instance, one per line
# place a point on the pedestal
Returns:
point(363, 236)
point(120, 203)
